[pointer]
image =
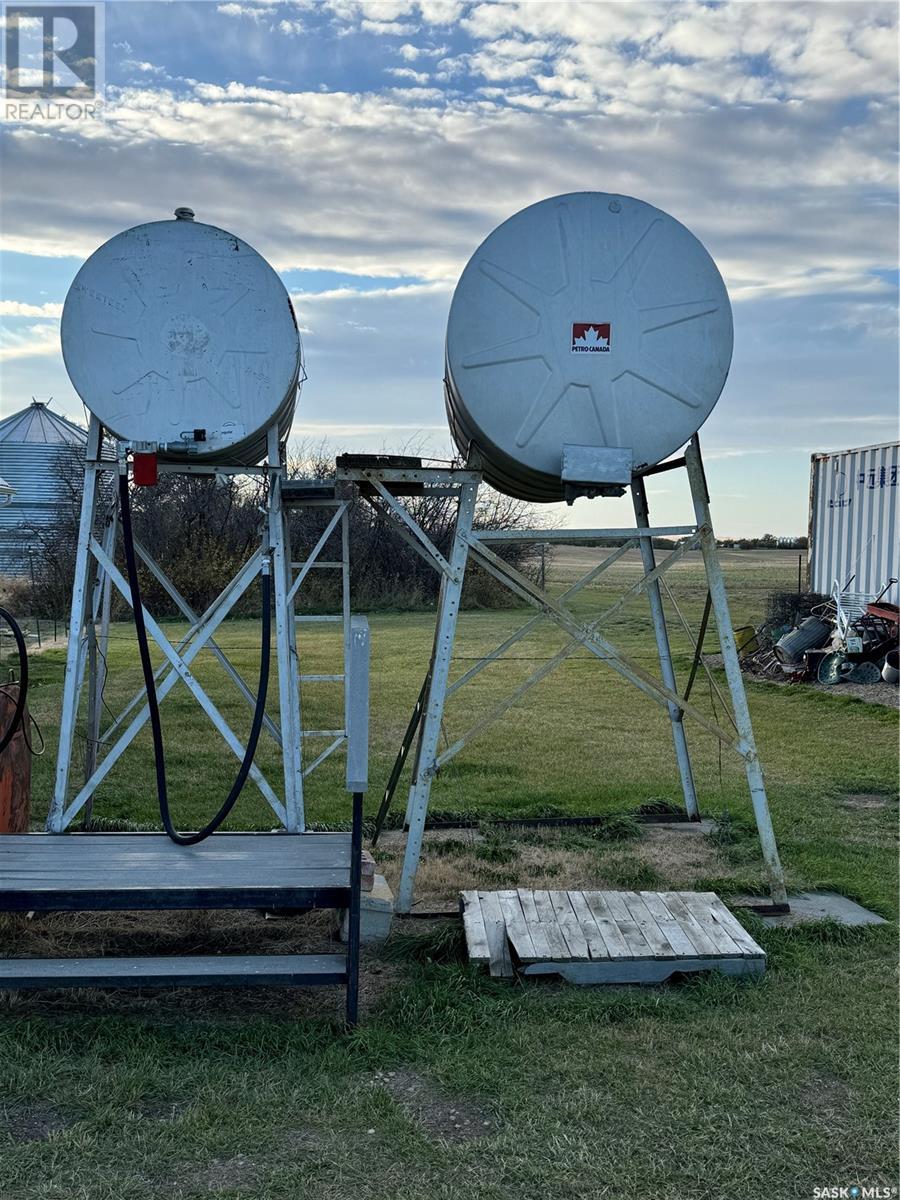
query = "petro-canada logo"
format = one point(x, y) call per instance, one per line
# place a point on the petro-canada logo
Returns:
point(592, 338)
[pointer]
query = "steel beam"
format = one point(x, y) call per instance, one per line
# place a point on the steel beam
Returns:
point(289, 702)
point(735, 678)
point(582, 537)
point(666, 666)
point(80, 600)
point(434, 709)
point(181, 669)
point(186, 611)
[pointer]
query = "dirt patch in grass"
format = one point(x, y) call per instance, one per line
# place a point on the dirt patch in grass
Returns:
point(885, 694)
point(683, 855)
point(825, 1093)
point(660, 857)
point(866, 800)
point(452, 1118)
point(161, 1110)
point(33, 1122)
point(238, 1174)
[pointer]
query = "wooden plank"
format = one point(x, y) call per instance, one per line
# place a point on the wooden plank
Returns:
point(473, 923)
point(495, 928)
point(536, 931)
point(704, 945)
point(656, 938)
point(596, 944)
point(678, 938)
point(702, 911)
point(212, 970)
point(325, 889)
point(559, 950)
point(568, 923)
point(606, 923)
point(637, 944)
point(516, 926)
point(83, 872)
point(735, 929)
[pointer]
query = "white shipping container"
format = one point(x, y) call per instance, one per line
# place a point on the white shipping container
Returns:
point(854, 523)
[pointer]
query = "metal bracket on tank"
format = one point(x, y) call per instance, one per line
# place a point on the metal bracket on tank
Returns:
point(595, 470)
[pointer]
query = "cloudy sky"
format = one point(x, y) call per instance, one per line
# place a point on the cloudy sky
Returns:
point(366, 147)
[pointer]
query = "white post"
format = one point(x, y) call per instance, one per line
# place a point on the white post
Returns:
point(728, 646)
point(97, 650)
point(451, 592)
point(346, 619)
point(666, 667)
point(78, 614)
point(286, 645)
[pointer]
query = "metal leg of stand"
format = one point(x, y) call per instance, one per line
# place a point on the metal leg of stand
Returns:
point(448, 611)
point(666, 667)
point(728, 646)
point(353, 917)
point(286, 646)
point(97, 651)
point(423, 702)
point(79, 612)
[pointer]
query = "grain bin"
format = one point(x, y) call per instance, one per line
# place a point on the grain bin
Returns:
point(41, 453)
point(179, 336)
point(854, 520)
point(589, 336)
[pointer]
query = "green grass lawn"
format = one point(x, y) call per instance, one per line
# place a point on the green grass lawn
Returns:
point(711, 1088)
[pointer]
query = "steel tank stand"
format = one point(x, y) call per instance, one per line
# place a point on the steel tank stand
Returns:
point(96, 574)
point(386, 486)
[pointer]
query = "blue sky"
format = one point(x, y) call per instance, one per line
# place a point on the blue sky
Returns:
point(366, 147)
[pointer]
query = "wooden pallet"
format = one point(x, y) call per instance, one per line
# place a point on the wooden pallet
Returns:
point(606, 937)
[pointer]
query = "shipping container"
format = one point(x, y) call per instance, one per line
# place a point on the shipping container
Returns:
point(854, 523)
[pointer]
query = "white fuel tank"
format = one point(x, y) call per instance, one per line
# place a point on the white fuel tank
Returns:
point(179, 334)
point(588, 333)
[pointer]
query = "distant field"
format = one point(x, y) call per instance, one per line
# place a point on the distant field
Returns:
point(697, 1092)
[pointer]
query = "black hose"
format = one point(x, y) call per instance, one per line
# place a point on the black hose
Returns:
point(189, 839)
point(19, 638)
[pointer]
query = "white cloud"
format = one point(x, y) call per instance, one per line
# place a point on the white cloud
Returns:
point(408, 73)
point(394, 183)
point(410, 53)
point(145, 68)
point(17, 308)
point(34, 341)
point(254, 11)
point(388, 28)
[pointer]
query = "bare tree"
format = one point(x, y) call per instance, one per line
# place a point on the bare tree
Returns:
point(201, 529)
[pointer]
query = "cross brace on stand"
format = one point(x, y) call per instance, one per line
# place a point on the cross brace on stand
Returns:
point(96, 574)
point(384, 484)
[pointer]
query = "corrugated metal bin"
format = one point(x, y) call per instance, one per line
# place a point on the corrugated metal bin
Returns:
point(37, 448)
point(854, 522)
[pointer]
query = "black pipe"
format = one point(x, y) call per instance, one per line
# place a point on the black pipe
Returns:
point(19, 713)
point(189, 839)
